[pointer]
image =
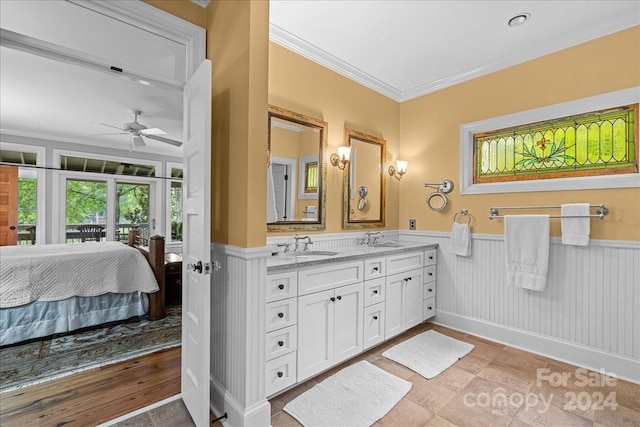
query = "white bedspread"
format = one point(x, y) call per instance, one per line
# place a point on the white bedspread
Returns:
point(55, 272)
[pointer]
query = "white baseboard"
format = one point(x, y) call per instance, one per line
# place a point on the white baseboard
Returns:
point(237, 416)
point(621, 367)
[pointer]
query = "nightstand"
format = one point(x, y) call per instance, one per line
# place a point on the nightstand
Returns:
point(173, 278)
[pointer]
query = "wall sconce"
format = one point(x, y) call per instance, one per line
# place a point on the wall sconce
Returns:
point(399, 169)
point(342, 158)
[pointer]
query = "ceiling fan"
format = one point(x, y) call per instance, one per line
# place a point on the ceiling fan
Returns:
point(137, 130)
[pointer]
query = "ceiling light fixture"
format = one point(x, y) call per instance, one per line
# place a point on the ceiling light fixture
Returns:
point(519, 19)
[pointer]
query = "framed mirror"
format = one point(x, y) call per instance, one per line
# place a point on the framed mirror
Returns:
point(296, 172)
point(364, 181)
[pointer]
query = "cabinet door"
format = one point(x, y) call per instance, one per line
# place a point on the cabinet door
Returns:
point(373, 325)
point(315, 333)
point(394, 305)
point(414, 306)
point(349, 306)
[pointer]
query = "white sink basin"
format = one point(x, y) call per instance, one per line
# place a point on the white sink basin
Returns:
point(313, 253)
point(386, 245)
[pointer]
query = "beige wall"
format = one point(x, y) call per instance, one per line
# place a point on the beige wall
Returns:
point(430, 133)
point(300, 85)
point(237, 44)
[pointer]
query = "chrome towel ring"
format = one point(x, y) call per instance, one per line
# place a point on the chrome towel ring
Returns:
point(463, 212)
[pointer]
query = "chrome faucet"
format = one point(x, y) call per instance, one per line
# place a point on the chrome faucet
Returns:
point(304, 245)
point(371, 237)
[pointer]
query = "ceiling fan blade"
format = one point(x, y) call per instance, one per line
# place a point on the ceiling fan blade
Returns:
point(166, 140)
point(103, 134)
point(138, 141)
point(152, 131)
point(111, 126)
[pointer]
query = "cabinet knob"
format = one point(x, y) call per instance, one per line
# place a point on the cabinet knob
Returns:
point(430, 289)
point(280, 374)
point(375, 268)
point(280, 343)
point(430, 274)
point(281, 315)
point(332, 299)
point(431, 257)
point(375, 317)
point(339, 297)
point(375, 292)
point(429, 308)
point(280, 286)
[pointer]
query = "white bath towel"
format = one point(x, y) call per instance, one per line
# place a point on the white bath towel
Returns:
point(526, 239)
point(460, 240)
point(272, 214)
point(575, 231)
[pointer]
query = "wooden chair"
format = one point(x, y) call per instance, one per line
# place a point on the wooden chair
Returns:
point(91, 232)
point(32, 234)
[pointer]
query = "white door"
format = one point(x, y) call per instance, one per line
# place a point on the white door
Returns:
point(315, 333)
point(196, 289)
point(279, 173)
point(414, 302)
point(348, 324)
point(394, 305)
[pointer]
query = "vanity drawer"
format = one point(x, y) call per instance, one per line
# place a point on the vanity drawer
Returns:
point(282, 286)
point(373, 291)
point(373, 325)
point(429, 274)
point(281, 342)
point(333, 276)
point(430, 257)
point(429, 308)
point(429, 290)
point(374, 268)
point(281, 314)
point(404, 262)
point(280, 373)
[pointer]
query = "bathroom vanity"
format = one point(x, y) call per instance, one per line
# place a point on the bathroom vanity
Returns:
point(323, 308)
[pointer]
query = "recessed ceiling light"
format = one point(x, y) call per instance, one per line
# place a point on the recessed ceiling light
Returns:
point(519, 19)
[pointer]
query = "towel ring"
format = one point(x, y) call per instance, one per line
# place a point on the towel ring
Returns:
point(463, 212)
point(436, 195)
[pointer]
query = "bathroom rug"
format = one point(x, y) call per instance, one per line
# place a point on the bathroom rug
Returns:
point(429, 353)
point(355, 396)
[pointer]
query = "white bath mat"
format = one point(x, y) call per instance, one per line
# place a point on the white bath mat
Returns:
point(358, 395)
point(429, 353)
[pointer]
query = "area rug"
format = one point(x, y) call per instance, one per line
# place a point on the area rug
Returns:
point(429, 353)
point(357, 395)
point(57, 356)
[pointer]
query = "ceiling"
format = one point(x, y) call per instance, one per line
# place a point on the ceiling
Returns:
point(402, 49)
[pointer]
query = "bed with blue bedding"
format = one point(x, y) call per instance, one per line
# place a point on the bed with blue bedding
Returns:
point(51, 289)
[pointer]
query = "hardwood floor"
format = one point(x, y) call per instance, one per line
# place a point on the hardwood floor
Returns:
point(93, 397)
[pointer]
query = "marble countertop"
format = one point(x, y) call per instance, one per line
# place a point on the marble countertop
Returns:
point(284, 262)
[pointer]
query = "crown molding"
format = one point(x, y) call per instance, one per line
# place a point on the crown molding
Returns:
point(309, 51)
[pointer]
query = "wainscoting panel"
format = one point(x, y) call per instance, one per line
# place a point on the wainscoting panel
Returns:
point(238, 335)
point(592, 298)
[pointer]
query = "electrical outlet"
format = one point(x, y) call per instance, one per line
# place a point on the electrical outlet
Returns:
point(412, 224)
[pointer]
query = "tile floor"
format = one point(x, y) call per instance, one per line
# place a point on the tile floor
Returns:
point(494, 385)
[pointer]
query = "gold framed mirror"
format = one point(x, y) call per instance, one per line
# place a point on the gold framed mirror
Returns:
point(296, 172)
point(364, 181)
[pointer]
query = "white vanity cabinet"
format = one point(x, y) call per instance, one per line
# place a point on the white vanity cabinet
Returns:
point(321, 315)
point(404, 301)
point(429, 291)
point(374, 297)
point(329, 321)
point(281, 342)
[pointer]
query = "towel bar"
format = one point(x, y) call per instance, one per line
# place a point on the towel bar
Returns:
point(601, 211)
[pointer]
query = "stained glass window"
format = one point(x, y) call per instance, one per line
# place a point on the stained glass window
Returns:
point(596, 143)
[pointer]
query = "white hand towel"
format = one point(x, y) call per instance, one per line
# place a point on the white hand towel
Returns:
point(460, 240)
point(575, 231)
point(272, 214)
point(526, 239)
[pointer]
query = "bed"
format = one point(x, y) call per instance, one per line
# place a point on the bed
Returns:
point(51, 289)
